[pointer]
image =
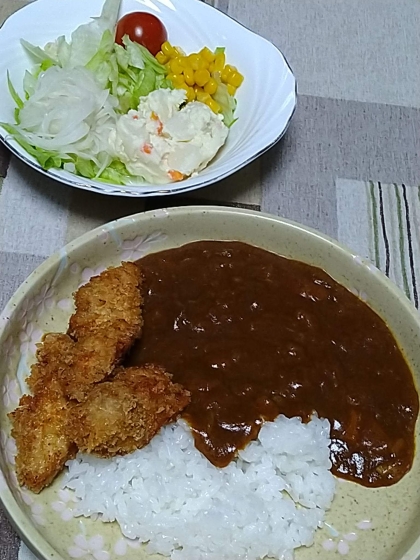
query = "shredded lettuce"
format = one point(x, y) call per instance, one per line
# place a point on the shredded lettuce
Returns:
point(46, 158)
point(13, 93)
point(16, 98)
point(227, 103)
point(86, 39)
point(115, 173)
point(101, 63)
point(84, 43)
point(129, 73)
point(36, 53)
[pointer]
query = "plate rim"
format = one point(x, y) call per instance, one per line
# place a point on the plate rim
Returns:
point(149, 190)
point(37, 543)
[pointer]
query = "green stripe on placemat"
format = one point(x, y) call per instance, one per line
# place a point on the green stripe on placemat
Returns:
point(382, 222)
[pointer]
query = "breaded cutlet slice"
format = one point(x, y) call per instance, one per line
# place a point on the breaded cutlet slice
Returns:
point(76, 366)
point(107, 321)
point(110, 303)
point(54, 355)
point(122, 415)
point(94, 359)
point(40, 430)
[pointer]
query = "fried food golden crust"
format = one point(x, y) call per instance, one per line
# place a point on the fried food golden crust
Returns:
point(75, 365)
point(124, 414)
point(94, 359)
point(54, 356)
point(40, 431)
point(110, 303)
point(106, 322)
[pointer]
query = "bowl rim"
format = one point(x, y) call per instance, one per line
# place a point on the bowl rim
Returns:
point(28, 532)
point(149, 190)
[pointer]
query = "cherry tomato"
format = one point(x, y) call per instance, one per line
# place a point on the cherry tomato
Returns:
point(143, 28)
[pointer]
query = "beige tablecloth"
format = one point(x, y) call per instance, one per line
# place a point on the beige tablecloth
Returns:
point(348, 166)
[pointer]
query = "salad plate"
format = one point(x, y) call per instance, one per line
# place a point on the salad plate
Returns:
point(265, 101)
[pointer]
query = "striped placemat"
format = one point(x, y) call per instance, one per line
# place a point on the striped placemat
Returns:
point(382, 222)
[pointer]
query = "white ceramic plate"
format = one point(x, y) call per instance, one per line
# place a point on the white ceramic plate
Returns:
point(367, 524)
point(266, 100)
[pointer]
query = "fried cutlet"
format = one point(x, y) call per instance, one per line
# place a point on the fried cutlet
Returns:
point(122, 415)
point(40, 431)
point(54, 355)
point(94, 359)
point(117, 416)
point(75, 365)
point(106, 322)
point(110, 303)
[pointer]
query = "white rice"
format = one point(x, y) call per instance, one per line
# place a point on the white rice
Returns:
point(266, 503)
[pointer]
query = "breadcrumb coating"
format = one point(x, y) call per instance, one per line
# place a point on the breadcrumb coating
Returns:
point(125, 413)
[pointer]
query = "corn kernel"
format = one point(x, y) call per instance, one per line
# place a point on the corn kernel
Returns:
point(184, 87)
point(168, 49)
point(219, 62)
point(189, 76)
point(207, 54)
point(235, 79)
point(176, 79)
point(226, 73)
point(194, 61)
point(201, 77)
point(179, 52)
point(214, 106)
point(175, 66)
point(161, 57)
point(203, 64)
point(231, 89)
point(190, 94)
point(203, 96)
point(224, 76)
point(201, 73)
point(211, 86)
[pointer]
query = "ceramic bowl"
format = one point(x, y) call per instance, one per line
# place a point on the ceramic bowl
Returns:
point(266, 100)
point(364, 524)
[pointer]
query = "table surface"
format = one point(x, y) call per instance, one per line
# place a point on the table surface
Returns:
point(348, 166)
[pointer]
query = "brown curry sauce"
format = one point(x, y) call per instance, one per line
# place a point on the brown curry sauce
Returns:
point(253, 335)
